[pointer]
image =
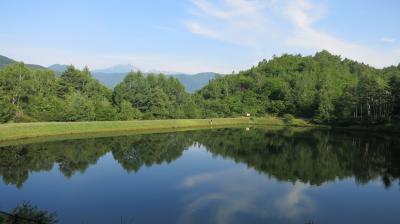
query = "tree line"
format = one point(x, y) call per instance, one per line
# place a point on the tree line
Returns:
point(322, 87)
point(313, 156)
point(28, 95)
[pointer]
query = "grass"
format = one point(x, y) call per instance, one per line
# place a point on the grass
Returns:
point(18, 131)
point(391, 127)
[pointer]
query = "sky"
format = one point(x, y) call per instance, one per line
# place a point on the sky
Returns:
point(196, 35)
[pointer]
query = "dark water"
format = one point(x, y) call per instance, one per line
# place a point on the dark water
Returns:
point(212, 176)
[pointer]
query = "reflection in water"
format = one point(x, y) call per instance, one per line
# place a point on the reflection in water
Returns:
point(295, 203)
point(27, 213)
point(229, 200)
point(307, 156)
point(212, 176)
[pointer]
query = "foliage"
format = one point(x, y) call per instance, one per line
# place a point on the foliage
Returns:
point(26, 211)
point(288, 119)
point(128, 112)
point(155, 96)
point(312, 156)
point(324, 88)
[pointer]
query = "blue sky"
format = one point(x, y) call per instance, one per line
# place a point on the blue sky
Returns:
point(196, 35)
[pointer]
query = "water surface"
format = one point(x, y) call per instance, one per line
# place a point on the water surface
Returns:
point(211, 176)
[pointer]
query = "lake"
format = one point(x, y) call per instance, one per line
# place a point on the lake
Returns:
point(261, 175)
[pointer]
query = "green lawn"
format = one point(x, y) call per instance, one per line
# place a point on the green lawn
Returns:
point(15, 131)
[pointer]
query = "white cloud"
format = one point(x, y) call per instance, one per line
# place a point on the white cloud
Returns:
point(279, 27)
point(231, 20)
point(388, 40)
point(198, 29)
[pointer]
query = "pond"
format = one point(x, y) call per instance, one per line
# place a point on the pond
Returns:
point(261, 175)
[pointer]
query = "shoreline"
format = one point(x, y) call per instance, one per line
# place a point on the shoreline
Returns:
point(13, 132)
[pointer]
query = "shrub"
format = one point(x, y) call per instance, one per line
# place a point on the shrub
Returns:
point(288, 119)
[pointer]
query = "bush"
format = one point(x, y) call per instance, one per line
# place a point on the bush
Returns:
point(7, 112)
point(127, 112)
point(29, 211)
point(288, 119)
point(46, 108)
point(20, 117)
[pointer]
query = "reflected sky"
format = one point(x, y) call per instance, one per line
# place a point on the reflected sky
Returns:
point(134, 180)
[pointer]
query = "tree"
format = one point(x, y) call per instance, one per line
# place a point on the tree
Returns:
point(127, 112)
point(26, 211)
point(46, 108)
point(323, 87)
point(7, 111)
point(325, 111)
point(78, 107)
point(158, 104)
point(15, 84)
point(394, 85)
point(73, 79)
point(104, 110)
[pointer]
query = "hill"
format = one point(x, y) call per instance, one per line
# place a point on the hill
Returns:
point(4, 61)
point(323, 87)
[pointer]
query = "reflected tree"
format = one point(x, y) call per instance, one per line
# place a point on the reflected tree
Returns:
point(306, 155)
point(26, 213)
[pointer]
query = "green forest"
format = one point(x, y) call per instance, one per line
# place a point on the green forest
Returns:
point(323, 88)
point(285, 154)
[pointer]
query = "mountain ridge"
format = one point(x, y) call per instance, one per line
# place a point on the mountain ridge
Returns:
point(4, 61)
point(111, 76)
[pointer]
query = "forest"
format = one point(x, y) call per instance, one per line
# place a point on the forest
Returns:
point(286, 154)
point(323, 88)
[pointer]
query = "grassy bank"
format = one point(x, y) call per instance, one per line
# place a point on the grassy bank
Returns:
point(392, 127)
point(17, 131)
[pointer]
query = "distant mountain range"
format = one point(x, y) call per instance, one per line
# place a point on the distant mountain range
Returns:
point(58, 68)
point(192, 82)
point(117, 69)
point(113, 75)
point(195, 82)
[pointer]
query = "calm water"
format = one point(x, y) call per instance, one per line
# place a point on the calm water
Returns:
point(213, 176)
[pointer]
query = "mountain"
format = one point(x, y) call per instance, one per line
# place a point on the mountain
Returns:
point(58, 68)
point(195, 82)
point(117, 69)
point(4, 61)
point(113, 75)
point(191, 82)
point(109, 79)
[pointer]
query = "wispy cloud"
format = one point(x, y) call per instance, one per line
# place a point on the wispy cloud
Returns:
point(295, 202)
point(388, 40)
point(233, 21)
point(279, 26)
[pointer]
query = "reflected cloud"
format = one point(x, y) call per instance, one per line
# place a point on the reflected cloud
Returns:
point(193, 181)
point(295, 202)
point(235, 193)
